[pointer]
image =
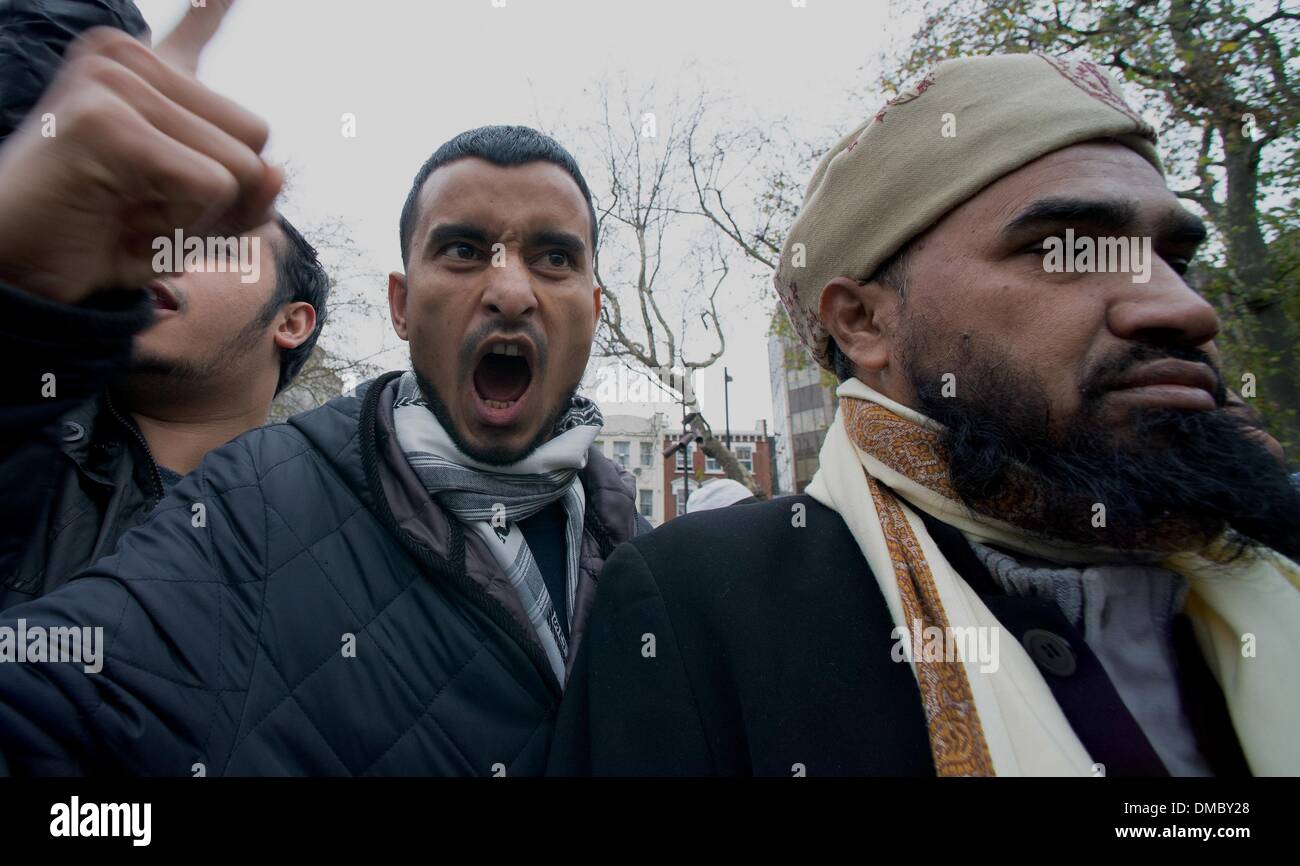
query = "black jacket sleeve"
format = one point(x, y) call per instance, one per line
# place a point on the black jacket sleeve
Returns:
point(56, 357)
point(34, 34)
point(179, 605)
point(630, 685)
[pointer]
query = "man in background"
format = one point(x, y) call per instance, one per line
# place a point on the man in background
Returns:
point(719, 494)
point(81, 463)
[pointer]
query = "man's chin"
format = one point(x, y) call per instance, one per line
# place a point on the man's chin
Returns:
point(496, 445)
point(1138, 429)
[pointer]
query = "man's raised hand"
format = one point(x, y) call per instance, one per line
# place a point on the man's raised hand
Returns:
point(139, 150)
point(183, 47)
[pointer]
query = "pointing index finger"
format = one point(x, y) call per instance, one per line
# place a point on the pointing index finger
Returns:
point(184, 45)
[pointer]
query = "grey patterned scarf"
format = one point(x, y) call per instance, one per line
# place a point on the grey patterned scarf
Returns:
point(491, 500)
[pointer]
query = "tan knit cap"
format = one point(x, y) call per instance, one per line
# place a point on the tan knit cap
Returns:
point(960, 128)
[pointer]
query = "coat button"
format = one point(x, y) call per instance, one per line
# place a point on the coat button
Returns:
point(72, 431)
point(1050, 651)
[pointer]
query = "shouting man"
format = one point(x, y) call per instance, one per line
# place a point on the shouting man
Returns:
point(1040, 541)
point(394, 583)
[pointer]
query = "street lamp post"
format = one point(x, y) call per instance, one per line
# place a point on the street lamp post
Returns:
point(726, 400)
point(686, 459)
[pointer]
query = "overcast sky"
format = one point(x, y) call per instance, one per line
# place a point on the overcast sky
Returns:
point(417, 72)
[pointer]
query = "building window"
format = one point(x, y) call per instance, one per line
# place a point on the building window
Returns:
point(681, 502)
point(711, 465)
point(745, 455)
point(623, 453)
point(647, 453)
point(804, 470)
point(682, 453)
point(807, 444)
point(647, 502)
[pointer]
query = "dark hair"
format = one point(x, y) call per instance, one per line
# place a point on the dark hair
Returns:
point(299, 276)
point(503, 146)
point(893, 272)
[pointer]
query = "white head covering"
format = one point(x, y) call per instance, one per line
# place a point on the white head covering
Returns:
point(717, 494)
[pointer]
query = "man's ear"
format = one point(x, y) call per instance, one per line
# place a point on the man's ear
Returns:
point(296, 323)
point(858, 316)
point(397, 302)
point(595, 303)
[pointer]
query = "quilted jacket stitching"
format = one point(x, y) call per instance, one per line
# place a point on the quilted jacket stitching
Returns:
point(261, 612)
point(546, 718)
point(291, 694)
point(121, 615)
point(221, 672)
point(425, 712)
point(328, 656)
point(144, 670)
point(306, 548)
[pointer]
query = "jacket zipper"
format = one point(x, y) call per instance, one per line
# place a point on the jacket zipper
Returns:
point(139, 437)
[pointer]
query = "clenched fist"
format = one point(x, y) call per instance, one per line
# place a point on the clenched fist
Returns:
point(140, 149)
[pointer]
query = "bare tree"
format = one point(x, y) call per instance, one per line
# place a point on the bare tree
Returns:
point(782, 161)
point(660, 305)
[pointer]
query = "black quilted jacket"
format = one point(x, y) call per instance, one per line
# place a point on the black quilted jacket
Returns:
point(318, 615)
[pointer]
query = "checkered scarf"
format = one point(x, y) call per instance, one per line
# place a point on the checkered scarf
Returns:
point(491, 500)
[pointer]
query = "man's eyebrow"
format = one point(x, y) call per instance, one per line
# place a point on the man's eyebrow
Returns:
point(1117, 215)
point(447, 232)
point(567, 241)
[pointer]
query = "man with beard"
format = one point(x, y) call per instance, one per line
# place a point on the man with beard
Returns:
point(80, 465)
point(1039, 541)
point(391, 584)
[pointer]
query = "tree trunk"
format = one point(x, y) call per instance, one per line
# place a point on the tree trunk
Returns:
point(1255, 284)
point(715, 448)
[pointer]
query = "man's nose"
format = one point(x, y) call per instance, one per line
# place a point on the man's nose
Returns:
point(1163, 310)
point(509, 291)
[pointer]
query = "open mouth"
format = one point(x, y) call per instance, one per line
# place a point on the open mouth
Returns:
point(501, 379)
point(163, 297)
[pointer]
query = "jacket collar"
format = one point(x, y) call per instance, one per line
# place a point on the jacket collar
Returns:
point(94, 438)
point(433, 537)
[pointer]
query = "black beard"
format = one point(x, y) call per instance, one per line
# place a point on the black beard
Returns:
point(490, 456)
point(149, 375)
point(144, 367)
point(1168, 476)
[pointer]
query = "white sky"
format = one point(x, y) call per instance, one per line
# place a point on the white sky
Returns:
point(417, 72)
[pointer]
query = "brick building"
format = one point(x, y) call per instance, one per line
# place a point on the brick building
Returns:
point(753, 448)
